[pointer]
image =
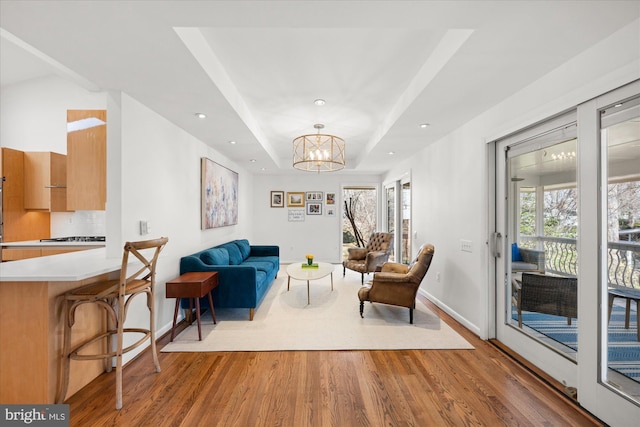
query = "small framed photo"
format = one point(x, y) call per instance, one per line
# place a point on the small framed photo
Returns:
point(277, 199)
point(331, 211)
point(295, 199)
point(314, 196)
point(314, 208)
point(331, 199)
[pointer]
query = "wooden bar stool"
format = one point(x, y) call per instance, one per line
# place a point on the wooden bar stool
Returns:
point(114, 296)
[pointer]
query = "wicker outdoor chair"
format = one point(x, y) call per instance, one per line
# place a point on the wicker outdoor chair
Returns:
point(539, 293)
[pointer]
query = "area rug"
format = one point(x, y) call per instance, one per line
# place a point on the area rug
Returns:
point(623, 348)
point(284, 321)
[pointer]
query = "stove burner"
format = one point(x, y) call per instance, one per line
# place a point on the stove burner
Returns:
point(76, 239)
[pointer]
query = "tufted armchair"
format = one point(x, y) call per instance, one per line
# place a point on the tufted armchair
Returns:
point(397, 284)
point(367, 259)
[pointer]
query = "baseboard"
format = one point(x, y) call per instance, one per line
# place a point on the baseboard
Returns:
point(442, 306)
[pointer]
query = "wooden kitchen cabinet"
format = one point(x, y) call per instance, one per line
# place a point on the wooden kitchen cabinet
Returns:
point(18, 254)
point(45, 181)
point(87, 160)
point(19, 224)
point(10, 254)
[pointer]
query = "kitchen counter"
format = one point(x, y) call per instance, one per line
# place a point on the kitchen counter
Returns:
point(15, 251)
point(72, 266)
point(31, 324)
point(39, 244)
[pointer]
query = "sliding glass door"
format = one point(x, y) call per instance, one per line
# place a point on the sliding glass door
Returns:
point(566, 244)
point(620, 229)
point(537, 195)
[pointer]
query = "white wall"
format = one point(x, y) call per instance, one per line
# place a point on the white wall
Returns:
point(160, 174)
point(320, 235)
point(448, 205)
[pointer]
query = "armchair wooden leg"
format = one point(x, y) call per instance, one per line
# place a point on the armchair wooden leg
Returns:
point(362, 278)
point(344, 271)
point(362, 309)
point(411, 316)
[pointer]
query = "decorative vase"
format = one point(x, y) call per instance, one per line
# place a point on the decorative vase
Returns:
point(310, 261)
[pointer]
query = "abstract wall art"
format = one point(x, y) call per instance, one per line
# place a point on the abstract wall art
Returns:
point(219, 195)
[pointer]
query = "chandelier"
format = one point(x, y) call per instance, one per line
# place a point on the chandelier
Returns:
point(318, 152)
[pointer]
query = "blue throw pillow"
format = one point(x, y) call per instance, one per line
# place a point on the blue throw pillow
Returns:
point(215, 256)
point(235, 257)
point(515, 253)
point(244, 246)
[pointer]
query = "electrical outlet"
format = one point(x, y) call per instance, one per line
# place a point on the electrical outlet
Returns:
point(465, 246)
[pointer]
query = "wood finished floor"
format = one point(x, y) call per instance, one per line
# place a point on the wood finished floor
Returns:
point(481, 387)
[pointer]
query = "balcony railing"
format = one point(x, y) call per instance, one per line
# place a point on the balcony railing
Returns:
point(561, 257)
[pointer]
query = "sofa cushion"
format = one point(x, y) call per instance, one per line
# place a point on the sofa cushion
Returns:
point(215, 256)
point(272, 259)
point(244, 246)
point(265, 266)
point(235, 257)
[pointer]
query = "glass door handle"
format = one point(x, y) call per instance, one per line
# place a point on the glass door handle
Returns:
point(496, 238)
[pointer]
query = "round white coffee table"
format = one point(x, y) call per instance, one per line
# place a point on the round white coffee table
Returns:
point(297, 272)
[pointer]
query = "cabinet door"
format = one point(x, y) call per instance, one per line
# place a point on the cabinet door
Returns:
point(19, 225)
point(18, 254)
point(58, 183)
point(86, 159)
point(45, 177)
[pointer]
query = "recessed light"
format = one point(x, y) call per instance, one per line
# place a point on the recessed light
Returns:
point(263, 169)
point(319, 101)
point(201, 115)
point(253, 160)
point(424, 125)
point(618, 105)
point(391, 153)
point(232, 142)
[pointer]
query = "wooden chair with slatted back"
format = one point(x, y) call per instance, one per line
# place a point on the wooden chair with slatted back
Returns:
point(115, 297)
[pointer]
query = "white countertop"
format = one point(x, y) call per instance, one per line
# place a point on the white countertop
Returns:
point(39, 244)
point(67, 267)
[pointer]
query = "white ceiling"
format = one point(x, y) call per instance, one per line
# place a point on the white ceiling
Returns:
point(255, 68)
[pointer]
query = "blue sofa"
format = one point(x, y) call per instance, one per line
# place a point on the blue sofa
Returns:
point(245, 273)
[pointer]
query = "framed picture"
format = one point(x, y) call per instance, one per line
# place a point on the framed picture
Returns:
point(331, 211)
point(295, 199)
point(314, 208)
point(277, 199)
point(219, 198)
point(314, 196)
point(331, 199)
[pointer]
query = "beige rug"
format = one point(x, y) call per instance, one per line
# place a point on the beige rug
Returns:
point(284, 321)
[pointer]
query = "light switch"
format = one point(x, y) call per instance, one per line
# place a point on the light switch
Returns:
point(144, 227)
